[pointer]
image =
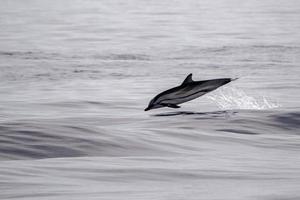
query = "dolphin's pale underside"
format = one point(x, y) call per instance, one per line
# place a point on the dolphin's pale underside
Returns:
point(187, 91)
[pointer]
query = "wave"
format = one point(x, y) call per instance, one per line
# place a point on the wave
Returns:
point(32, 55)
point(170, 133)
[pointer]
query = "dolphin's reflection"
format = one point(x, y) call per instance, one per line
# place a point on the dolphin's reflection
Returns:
point(204, 114)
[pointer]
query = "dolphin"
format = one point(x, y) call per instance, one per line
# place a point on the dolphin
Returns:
point(187, 91)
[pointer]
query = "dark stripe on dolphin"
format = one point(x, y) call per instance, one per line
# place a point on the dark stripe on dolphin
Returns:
point(204, 91)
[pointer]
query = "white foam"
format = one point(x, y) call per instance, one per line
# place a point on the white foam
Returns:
point(236, 98)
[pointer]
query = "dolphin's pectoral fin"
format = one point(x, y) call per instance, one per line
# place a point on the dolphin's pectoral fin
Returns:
point(170, 105)
point(173, 106)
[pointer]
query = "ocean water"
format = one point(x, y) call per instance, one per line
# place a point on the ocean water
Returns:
point(77, 75)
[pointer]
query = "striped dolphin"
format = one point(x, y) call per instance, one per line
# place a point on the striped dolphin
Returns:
point(187, 91)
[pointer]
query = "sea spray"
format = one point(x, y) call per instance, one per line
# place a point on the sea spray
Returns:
point(236, 98)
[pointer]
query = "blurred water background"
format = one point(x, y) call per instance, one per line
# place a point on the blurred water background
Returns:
point(77, 75)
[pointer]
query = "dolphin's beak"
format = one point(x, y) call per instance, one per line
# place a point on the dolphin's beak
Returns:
point(146, 109)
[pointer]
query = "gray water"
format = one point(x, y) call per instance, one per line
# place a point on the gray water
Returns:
point(77, 75)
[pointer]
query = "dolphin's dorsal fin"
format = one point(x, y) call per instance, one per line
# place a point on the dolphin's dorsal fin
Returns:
point(188, 79)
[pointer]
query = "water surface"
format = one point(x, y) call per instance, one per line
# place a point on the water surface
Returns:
point(77, 75)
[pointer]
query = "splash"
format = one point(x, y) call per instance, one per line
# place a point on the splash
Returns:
point(234, 98)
